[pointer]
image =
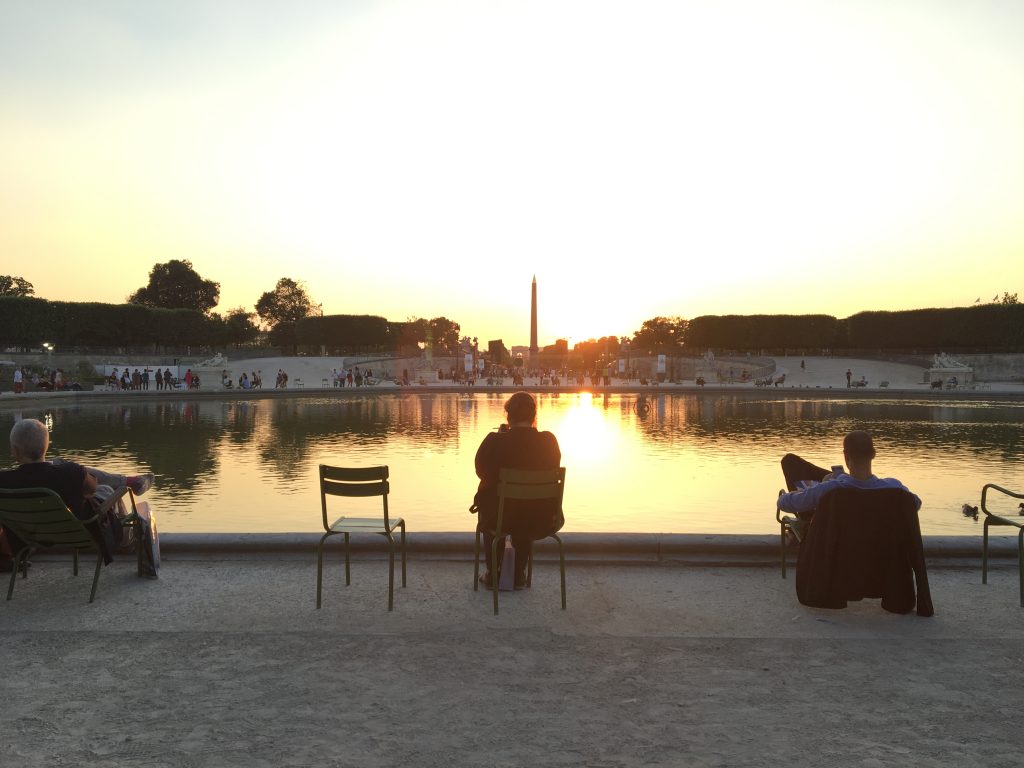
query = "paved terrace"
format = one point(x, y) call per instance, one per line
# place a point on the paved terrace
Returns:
point(684, 652)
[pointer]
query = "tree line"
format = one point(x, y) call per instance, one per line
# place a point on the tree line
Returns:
point(26, 322)
point(993, 327)
point(175, 310)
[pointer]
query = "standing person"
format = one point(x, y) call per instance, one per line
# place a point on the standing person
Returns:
point(159, 380)
point(849, 375)
point(188, 378)
point(167, 378)
point(19, 380)
point(516, 445)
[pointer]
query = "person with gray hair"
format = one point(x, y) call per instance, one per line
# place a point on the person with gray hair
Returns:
point(74, 483)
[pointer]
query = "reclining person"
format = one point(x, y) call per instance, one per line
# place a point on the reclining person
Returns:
point(74, 483)
point(808, 483)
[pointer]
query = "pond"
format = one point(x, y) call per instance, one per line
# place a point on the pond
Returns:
point(695, 463)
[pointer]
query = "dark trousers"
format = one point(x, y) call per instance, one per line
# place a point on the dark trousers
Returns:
point(524, 530)
point(796, 469)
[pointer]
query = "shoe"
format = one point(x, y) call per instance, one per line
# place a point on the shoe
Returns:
point(140, 483)
point(485, 579)
point(7, 565)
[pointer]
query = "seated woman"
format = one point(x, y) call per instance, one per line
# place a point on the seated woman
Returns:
point(516, 445)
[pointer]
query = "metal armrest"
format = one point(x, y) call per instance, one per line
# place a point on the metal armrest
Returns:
point(1000, 489)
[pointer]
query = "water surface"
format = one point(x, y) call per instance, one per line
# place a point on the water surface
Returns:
point(694, 463)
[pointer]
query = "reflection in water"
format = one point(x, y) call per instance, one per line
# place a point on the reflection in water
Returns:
point(691, 463)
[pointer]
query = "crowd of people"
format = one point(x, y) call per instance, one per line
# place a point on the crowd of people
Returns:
point(133, 379)
point(351, 377)
point(245, 381)
point(45, 380)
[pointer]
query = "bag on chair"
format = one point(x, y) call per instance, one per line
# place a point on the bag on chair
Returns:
point(507, 578)
point(148, 542)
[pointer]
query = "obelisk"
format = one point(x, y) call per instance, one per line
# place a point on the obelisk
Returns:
point(533, 322)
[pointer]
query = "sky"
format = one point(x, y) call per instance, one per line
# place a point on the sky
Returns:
point(426, 158)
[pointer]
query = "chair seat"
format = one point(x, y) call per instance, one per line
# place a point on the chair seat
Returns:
point(364, 524)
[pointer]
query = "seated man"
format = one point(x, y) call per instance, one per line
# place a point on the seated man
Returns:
point(808, 483)
point(517, 445)
point(74, 483)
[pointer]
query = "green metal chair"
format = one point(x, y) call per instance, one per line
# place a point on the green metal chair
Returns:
point(994, 519)
point(39, 517)
point(788, 522)
point(523, 484)
point(356, 482)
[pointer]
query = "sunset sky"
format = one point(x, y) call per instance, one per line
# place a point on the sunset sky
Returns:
point(428, 158)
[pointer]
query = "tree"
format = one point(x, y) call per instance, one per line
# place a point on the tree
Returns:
point(288, 302)
point(446, 336)
point(661, 334)
point(15, 286)
point(176, 285)
point(1008, 298)
point(239, 326)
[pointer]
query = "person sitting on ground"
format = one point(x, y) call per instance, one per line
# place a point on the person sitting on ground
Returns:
point(808, 484)
point(516, 445)
point(74, 483)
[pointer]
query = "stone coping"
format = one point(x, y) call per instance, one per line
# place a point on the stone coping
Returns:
point(625, 547)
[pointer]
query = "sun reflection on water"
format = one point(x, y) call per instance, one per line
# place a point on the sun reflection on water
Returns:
point(691, 463)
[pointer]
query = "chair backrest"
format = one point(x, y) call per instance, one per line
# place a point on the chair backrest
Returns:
point(353, 482)
point(39, 517)
point(529, 485)
point(864, 543)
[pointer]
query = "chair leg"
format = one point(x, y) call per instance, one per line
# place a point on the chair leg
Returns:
point(476, 563)
point(984, 552)
point(529, 569)
point(1020, 564)
point(320, 568)
point(391, 571)
point(403, 553)
point(96, 576)
point(561, 565)
point(782, 546)
point(495, 570)
point(348, 571)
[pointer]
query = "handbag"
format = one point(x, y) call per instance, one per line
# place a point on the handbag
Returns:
point(507, 577)
point(147, 544)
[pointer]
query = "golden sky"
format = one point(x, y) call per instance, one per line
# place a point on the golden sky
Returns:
point(428, 158)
